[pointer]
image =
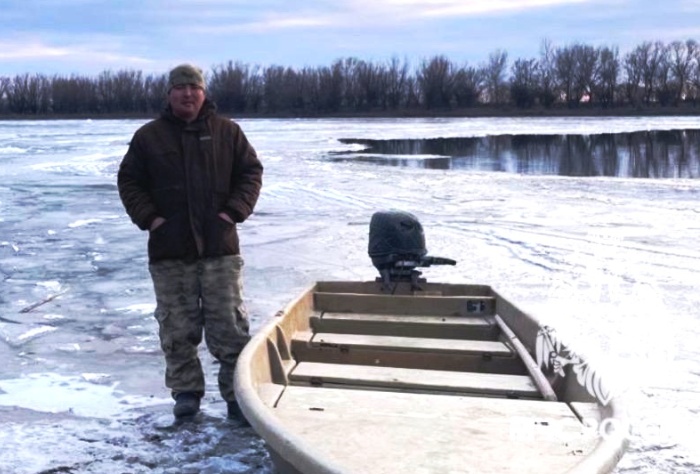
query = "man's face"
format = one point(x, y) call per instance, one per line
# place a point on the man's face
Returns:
point(186, 100)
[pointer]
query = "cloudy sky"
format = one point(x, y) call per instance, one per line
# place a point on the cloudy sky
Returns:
point(89, 36)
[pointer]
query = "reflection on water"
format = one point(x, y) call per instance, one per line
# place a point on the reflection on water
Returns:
point(650, 154)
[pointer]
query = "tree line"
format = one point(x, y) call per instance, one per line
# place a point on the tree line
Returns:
point(653, 74)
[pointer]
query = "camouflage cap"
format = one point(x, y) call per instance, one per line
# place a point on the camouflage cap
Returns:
point(186, 74)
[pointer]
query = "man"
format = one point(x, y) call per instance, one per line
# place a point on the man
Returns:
point(188, 178)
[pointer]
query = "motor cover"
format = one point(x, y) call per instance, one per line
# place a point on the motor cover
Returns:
point(395, 236)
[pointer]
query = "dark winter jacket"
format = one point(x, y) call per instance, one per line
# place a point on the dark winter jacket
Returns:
point(188, 174)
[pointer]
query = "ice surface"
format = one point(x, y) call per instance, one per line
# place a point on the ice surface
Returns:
point(83, 396)
point(612, 263)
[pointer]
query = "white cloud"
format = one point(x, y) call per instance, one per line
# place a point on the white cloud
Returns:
point(36, 50)
point(452, 8)
point(96, 56)
point(483, 7)
point(357, 13)
point(264, 25)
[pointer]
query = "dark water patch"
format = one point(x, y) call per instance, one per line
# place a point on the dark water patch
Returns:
point(648, 154)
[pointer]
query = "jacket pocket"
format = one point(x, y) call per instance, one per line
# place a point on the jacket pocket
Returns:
point(170, 240)
point(221, 237)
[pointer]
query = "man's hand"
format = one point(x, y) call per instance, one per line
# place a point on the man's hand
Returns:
point(157, 222)
point(226, 217)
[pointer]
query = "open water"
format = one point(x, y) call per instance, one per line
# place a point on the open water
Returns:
point(590, 224)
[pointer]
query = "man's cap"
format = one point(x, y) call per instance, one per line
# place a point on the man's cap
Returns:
point(186, 74)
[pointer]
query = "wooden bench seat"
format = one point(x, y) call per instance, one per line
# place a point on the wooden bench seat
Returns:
point(414, 379)
point(407, 352)
point(411, 344)
point(393, 304)
point(456, 327)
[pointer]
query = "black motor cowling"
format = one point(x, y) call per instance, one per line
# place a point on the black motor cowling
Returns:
point(393, 236)
point(397, 246)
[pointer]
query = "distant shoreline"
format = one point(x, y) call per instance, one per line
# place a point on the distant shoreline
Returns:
point(472, 112)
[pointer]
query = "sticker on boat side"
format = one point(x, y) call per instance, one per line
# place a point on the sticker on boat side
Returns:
point(476, 306)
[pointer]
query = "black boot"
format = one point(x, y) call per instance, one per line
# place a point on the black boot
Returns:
point(186, 404)
point(235, 413)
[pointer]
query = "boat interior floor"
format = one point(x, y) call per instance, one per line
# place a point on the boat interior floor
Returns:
point(492, 434)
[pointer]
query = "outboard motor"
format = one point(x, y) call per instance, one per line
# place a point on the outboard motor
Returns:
point(397, 247)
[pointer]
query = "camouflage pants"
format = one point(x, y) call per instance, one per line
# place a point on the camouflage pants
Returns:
point(195, 299)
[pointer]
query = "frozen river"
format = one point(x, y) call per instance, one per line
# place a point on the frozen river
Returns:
point(611, 258)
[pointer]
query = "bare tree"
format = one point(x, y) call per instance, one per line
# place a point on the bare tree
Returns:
point(291, 91)
point(548, 92)
point(413, 93)
point(155, 90)
point(682, 57)
point(586, 69)
point(330, 85)
point(29, 93)
point(351, 88)
point(650, 56)
point(396, 82)
point(608, 73)
point(129, 91)
point(495, 77)
point(524, 82)
point(468, 86)
point(565, 67)
point(273, 89)
point(369, 81)
point(308, 90)
point(73, 95)
point(228, 86)
point(436, 82)
point(254, 90)
point(106, 92)
point(695, 77)
point(633, 85)
point(665, 90)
